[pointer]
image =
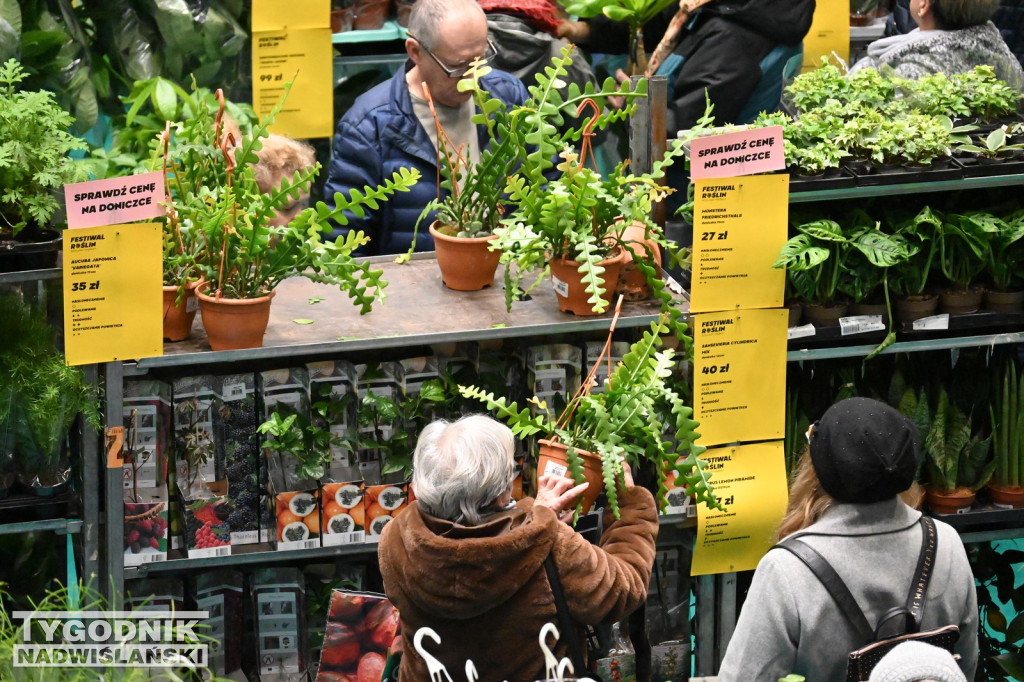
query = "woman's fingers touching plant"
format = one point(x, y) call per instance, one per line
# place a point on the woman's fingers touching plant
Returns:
point(558, 494)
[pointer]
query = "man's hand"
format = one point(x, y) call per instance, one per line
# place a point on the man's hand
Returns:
point(558, 494)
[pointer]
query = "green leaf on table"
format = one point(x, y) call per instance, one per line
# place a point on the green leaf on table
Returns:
point(315, 299)
point(500, 325)
point(302, 320)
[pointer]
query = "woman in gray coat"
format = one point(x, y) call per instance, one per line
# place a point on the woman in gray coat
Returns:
point(845, 503)
point(953, 36)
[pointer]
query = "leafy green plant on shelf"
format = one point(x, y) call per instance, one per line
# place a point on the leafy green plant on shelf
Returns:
point(922, 234)
point(987, 97)
point(639, 417)
point(1005, 255)
point(303, 446)
point(213, 190)
point(1007, 416)
point(963, 251)
point(35, 157)
point(955, 455)
point(815, 87)
point(996, 145)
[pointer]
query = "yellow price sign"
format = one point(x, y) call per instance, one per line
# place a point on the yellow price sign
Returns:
point(750, 480)
point(293, 41)
point(739, 375)
point(829, 34)
point(112, 293)
point(739, 227)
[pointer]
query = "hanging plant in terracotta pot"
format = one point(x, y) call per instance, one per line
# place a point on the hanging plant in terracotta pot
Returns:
point(638, 418)
point(569, 218)
point(242, 255)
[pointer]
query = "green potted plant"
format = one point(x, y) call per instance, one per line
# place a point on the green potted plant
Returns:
point(639, 418)
point(1005, 260)
point(957, 458)
point(570, 221)
point(242, 257)
point(813, 88)
point(635, 13)
point(34, 165)
point(963, 255)
point(988, 98)
point(1006, 411)
point(910, 281)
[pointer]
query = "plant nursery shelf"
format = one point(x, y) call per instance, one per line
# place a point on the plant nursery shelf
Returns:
point(865, 191)
point(30, 275)
point(905, 346)
point(419, 310)
point(59, 526)
point(248, 555)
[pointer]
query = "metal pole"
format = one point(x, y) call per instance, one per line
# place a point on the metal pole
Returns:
point(704, 654)
point(640, 132)
point(726, 615)
point(113, 587)
point(90, 493)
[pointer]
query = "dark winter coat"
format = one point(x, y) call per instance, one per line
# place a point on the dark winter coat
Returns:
point(381, 134)
point(485, 592)
point(790, 624)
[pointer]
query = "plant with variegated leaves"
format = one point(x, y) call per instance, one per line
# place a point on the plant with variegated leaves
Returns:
point(638, 418)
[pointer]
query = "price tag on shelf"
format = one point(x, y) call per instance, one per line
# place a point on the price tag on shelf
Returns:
point(739, 375)
point(112, 293)
point(800, 332)
point(860, 324)
point(293, 41)
point(933, 322)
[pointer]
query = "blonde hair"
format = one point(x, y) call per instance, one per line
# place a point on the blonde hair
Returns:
point(808, 501)
point(281, 155)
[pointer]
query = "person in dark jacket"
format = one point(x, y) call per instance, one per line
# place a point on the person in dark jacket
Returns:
point(845, 502)
point(722, 48)
point(390, 126)
point(467, 561)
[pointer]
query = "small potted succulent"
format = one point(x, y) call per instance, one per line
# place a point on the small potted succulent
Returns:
point(34, 165)
point(638, 418)
point(242, 255)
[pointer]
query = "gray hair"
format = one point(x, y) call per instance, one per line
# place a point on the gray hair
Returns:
point(953, 15)
point(460, 468)
point(426, 17)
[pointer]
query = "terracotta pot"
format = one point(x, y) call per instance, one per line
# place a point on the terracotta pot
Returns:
point(341, 20)
point(233, 323)
point(1012, 496)
point(949, 502)
point(632, 283)
point(552, 459)
point(178, 317)
point(370, 14)
point(910, 308)
point(403, 8)
point(570, 290)
point(1004, 301)
point(796, 311)
point(466, 263)
point(824, 316)
point(960, 302)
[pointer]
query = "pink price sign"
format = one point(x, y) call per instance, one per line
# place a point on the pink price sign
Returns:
point(745, 152)
point(115, 200)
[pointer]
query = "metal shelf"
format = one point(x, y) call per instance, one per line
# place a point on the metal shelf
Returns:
point(419, 310)
point(30, 275)
point(59, 526)
point(251, 554)
point(868, 191)
point(389, 31)
point(904, 346)
point(992, 535)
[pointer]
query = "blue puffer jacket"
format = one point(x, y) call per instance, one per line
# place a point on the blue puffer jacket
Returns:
point(381, 134)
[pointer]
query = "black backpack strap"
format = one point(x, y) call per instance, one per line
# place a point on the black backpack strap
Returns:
point(565, 624)
point(923, 572)
point(833, 584)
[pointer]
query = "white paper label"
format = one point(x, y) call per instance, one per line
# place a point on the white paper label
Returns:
point(963, 510)
point(933, 322)
point(194, 553)
point(860, 324)
point(234, 391)
point(245, 537)
point(554, 469)
point(353, 538)
point(559, 286)
point(800, 332)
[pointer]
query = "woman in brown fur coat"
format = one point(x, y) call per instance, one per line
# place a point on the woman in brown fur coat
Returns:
point(468, 561)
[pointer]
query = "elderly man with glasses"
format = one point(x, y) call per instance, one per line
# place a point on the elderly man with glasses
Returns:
point(390, 126)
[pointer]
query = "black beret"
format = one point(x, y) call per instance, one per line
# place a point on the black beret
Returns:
point(864, 451)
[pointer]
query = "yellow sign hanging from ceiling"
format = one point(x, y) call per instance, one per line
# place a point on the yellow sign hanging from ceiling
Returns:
point(112, 293)
point(739, 375)
point(739, 227)
point(292, 40)
point(750, 480)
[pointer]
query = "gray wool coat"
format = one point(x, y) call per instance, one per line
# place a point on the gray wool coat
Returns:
point(918, 53)
point(790, 624)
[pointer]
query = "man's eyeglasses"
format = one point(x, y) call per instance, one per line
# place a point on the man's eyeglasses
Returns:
point(457, 71)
